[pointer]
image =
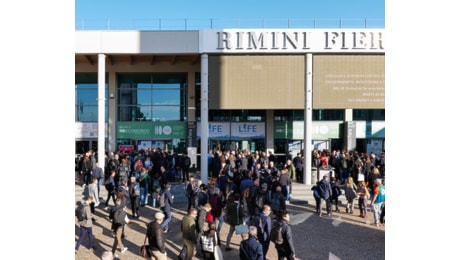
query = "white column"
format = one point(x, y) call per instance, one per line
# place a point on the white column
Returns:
point(308, 117)
point(101, 110)
point(204, 119)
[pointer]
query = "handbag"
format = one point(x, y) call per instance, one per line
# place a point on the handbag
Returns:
point(240, 229)
point(206, 243)
point(144, 251)
point(182, 253)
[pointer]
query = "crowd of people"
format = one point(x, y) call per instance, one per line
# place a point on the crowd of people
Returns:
point(245, 189)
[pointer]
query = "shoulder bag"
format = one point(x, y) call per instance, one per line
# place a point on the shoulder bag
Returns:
point(144, 251)
point(240, 229)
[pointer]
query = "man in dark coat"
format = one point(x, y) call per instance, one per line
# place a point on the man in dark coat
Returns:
point(251, 248)
point(325, 192)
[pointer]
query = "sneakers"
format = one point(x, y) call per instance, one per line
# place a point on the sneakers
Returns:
point(115, 256)
point(124, 250)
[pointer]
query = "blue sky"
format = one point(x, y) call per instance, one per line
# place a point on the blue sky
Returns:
point(127, 11)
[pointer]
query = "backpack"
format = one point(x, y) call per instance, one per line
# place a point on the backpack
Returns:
point(108, 185)
point(202, 198)
point(276, 234)
point(275, 203)
point(214, 201)
point(260, 200)
point(162, 200)
point(80, 212)
point(136, 190)
point(336, 190)
point(187, 161)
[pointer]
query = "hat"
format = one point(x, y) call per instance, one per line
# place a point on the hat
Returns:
point(159, 215)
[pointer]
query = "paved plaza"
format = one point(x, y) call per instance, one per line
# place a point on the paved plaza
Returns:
point(343, 236)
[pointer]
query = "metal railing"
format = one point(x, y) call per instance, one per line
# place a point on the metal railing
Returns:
point(199, 24)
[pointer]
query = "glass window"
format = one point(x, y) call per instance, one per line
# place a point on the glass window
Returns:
point(289, 115)
point(368, 114)
point(152, 97)
point(86, 95)
point(328, 114)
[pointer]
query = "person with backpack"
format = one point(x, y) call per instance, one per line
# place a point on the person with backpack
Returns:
point(281, 236)
point(325, 192)
point(111, 189)
point(263, 223)
point(317, 197)
point(134, 193)
point(217, 206)
point(144, 180)
point(119, 219)
point(278, 201)
point(251, 248)
point(84, 216)
point(166, 200)
point(261, 198)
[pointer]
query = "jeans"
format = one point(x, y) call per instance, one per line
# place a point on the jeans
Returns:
point(328, 206)
point(167, 219)
point(144, 195)
point(221, 222)
point(377, 212)
point(83, 231)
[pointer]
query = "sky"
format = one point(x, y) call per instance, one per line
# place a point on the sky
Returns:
point(91, 11)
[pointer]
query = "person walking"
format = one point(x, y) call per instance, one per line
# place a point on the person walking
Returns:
point(86, 224)
point(378, 200)
point(282, 233)
point(110, 186)
point(134, 194)
point(93, 192)
point(168, 201)
point(188, 230)
point(119, 219)
point(144, 180)
point(234, 217)
point(263, 229)
point(350, 194)
point(325, 192)
point(156, 237)
point(251, 248)
point(363, 196)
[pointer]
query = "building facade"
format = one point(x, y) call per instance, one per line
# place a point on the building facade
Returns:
point(255, 89)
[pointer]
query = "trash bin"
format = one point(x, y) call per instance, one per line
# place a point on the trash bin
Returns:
point(326, 171)
point(314, 175)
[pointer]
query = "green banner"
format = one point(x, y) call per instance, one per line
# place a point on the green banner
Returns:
point(151, 130)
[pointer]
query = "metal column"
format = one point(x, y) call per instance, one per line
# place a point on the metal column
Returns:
point(101, 110)
point(204, 119)
point(308, 118)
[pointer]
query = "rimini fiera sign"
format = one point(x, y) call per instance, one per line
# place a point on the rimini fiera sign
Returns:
point(292, 40)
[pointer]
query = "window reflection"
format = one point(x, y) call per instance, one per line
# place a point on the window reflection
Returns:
point(152, 97)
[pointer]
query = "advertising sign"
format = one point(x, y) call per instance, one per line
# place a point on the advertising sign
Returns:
point(149, 130)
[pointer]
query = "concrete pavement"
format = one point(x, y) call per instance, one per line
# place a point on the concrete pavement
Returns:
point(343, 235)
